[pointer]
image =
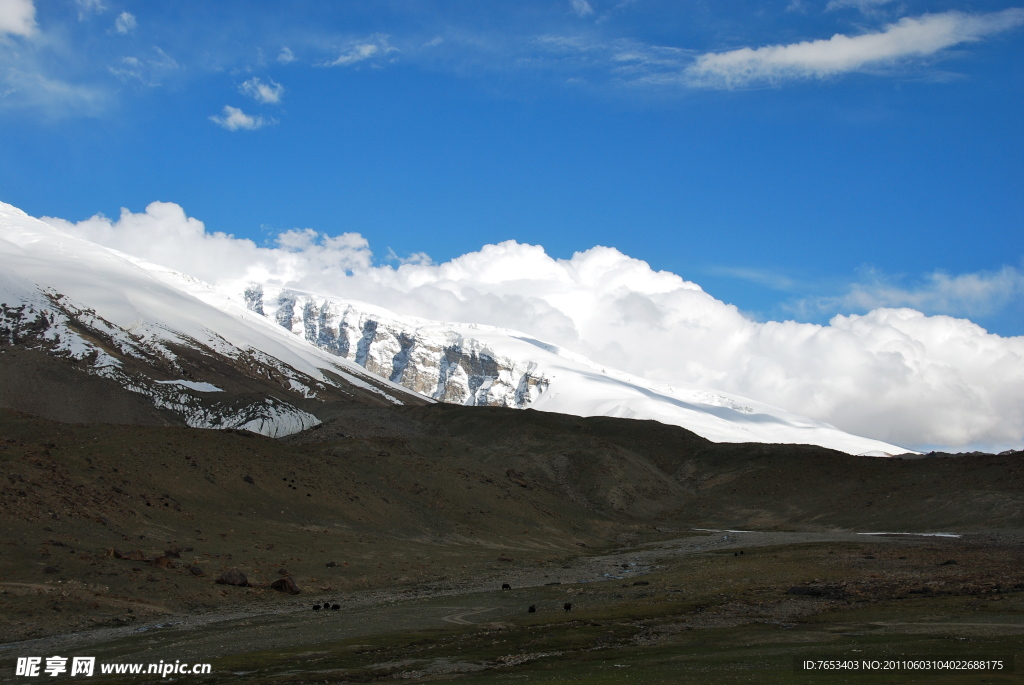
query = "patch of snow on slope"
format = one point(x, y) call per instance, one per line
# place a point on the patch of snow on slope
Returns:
point(194, 385)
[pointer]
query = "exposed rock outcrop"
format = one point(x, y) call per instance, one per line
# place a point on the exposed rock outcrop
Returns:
point(233, 577)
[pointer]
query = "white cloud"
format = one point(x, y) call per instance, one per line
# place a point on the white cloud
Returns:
point(972, 294)
point(233, 119)
point(626, 61)
point(862, 5)
point(125, 23)
point(376, 45)
point(894, 373)
point(909, 37)
point(286, 56)
point(357, 53)
point(17, 17)
point(31, 79)
point(30, 88)
point(268, 93)
point(769, 279)
point(150, 71)
point(164, 234)
point(582, 8)
point(87, 7)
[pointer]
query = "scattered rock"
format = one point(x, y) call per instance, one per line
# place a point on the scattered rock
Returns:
point(517, 478)
point(196, 571)
point(283, 572)
point(532, 609)
point(331, 564)
point(51, 569)
point(172, 553)
point(233, 577)
point(286, 584)
point(567, 606)
point(642, 582)
point(248, 479)
point(134, 555)
point(162, 562)
point(949, 562)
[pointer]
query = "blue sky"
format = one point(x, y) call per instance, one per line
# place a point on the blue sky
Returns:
point(798, 159)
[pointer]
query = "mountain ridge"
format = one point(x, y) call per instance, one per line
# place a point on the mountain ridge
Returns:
point(274, 357)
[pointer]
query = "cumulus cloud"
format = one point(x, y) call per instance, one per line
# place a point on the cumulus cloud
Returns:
point(910, 37)
point(268, 93)
point(125, 23)
point(582, 8)
point(893, 373)
point(233, 119)
point(376, 45)
point(165, 235)
point(17, 17)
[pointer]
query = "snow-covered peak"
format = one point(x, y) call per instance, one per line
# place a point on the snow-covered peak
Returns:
point(101, 307)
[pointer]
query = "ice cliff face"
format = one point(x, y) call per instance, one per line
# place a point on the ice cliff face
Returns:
point(438, 361)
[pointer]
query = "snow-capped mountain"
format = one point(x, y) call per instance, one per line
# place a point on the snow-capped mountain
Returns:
point(268, 359)
point(482, 365)
point(147, 329)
